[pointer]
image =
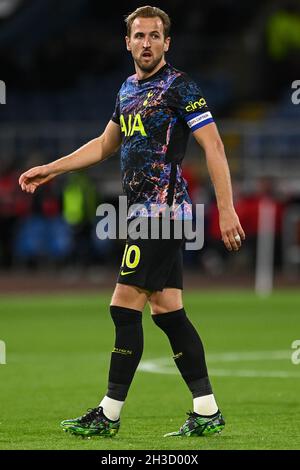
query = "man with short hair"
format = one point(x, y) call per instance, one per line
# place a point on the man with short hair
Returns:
point(155, 110)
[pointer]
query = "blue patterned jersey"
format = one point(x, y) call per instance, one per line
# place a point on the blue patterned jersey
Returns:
point(156, 115)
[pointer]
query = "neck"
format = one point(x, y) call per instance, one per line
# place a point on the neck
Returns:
point(141, 75)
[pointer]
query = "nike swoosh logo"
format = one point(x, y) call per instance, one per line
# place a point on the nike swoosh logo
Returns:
point(124, 273)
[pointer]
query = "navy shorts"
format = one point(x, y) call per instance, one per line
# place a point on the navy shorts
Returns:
point(153, 264)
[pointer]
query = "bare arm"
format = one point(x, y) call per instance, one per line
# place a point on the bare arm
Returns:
point(93, 152)
point(208, 137)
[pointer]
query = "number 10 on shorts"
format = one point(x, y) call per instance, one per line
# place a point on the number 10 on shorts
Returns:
point(131, 257)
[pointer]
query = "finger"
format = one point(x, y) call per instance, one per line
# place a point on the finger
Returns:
point(233, 242)
point(24, 179)
point(241, 232)
point(28, 175)
point(31, 173)
point(227, 242)
point(237, 239)
point(32, 188)
point(25, 187)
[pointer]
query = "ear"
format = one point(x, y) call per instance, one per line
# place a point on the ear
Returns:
point(167, 44)
point(127, 39)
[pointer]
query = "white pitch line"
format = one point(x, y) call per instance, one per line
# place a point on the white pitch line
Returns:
point(248, 356)
point(254, 373)
point(165, 365)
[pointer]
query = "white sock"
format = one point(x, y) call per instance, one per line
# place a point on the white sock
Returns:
point(206, 405)
point(111, 408)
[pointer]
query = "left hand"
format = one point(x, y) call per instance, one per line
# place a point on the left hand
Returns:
point(231, 229)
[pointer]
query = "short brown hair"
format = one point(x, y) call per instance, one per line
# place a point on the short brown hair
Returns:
point(149, 12)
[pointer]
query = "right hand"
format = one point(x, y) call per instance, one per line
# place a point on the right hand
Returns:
point(231, 229)
point(33, 178)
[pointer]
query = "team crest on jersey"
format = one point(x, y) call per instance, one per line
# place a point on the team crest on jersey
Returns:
point(148, 96)
point(134, 124)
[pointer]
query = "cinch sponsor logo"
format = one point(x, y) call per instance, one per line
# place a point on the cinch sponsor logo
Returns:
point(134, 124)
point(195, 105)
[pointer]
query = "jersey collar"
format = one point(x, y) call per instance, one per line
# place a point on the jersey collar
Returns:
point(140, 82)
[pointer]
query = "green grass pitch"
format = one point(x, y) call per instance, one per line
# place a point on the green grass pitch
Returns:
point(58, 351)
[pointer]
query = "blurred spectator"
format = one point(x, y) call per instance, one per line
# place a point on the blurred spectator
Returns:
point(247, 208)
point(283, 47)
point(43, 238)
point(79, 211)
point(283, 32)
point(13, 204)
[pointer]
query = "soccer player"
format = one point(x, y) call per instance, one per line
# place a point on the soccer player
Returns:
point(155, 110)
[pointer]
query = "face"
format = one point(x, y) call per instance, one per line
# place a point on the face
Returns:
point(147, 42)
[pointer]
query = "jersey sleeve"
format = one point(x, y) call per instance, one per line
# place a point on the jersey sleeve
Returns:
point(187, 99)
point(116, 114)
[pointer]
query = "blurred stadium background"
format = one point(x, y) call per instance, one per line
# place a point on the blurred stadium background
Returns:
point(63, 63)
